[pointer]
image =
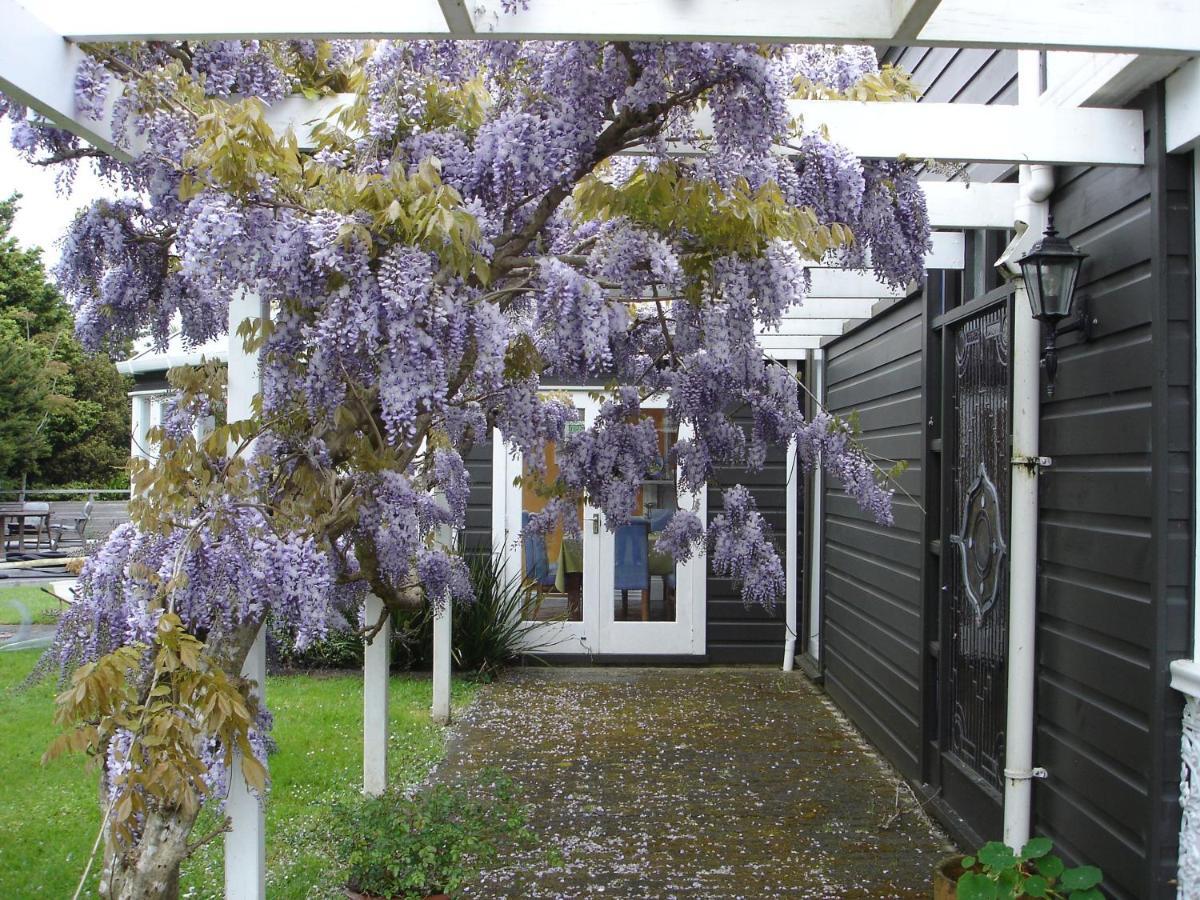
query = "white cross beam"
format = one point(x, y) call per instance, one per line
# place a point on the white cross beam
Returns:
point(1110, 25)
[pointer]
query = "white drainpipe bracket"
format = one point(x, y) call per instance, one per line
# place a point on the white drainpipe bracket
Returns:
point(1026, 774)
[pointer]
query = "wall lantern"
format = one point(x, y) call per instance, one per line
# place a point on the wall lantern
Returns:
point(1050, 270)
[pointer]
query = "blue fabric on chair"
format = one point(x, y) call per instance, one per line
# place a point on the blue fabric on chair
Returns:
point(659, 518)
point(538, 567)
point(631, 568)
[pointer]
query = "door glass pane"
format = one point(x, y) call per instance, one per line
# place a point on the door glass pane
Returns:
point(552, 562)
point(644, 580)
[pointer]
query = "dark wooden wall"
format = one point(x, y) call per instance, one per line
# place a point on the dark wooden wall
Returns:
point(872, 606)
point(737, 633)
point(478, 534)
point(1114, 532)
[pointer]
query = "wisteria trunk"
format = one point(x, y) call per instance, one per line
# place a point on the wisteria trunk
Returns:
point(150, 869)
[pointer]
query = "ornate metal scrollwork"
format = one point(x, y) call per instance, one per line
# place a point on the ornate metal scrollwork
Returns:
point(980, 543)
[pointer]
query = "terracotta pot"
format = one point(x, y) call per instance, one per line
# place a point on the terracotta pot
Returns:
point(945, 878)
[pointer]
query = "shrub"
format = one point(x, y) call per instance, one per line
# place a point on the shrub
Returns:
point(403, 848)
point(997, 873)
point(488, 634)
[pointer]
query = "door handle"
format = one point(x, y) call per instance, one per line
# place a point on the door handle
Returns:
point(595, 523)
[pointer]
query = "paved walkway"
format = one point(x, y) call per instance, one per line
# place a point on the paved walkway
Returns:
point(692, 783)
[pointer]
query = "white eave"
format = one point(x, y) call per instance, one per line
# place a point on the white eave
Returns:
point(149, 360)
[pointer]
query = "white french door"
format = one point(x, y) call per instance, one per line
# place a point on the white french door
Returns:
point(603, 592)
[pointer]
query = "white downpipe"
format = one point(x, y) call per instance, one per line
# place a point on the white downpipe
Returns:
point(377, 659)
point(1022, 603)
point(816, 374)
point(791, 550)
point(246, 840)
point(442, 646)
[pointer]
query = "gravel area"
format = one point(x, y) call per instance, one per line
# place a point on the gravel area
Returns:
point(704, 783)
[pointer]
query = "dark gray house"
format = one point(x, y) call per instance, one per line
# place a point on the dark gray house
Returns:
point(893, 626)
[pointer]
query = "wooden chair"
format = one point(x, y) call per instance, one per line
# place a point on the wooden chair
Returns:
point(71, 526)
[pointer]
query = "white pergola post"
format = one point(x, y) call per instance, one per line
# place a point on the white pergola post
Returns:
point(441, 664)
point(377, 661)
point(442, 645)
point(245, 842)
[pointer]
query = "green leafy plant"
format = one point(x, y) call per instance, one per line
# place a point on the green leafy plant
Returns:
point(401, 847)
point(489, 633)
point(997, 873)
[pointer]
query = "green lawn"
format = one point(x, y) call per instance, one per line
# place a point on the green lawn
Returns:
point(49, 815)
point(41, 606)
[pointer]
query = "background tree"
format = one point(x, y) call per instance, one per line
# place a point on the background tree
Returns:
point(80, 432)
point(24, 404)
point(469, 227)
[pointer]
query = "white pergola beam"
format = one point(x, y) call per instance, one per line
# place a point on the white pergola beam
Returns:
point(153, 20)
point(956, 204)
point(1119, 26)
point(1110, 25)
point(37, 69)
point(969, 132)
point(831, 308)
point(790, 347)
point(849, 283)
point(1183, 108)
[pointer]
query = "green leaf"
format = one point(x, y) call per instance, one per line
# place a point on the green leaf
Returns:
point(968, 862)
point(996, 855)
point(973, 886)
point(1050, 866)
point(1090, 894)
point(1080, 879)
point(1037, 847)
point(1036, 886)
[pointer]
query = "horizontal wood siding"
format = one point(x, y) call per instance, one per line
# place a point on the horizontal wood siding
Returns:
point(735, 632)
point(871, 613)
point(478, 534)
point(1113, 537)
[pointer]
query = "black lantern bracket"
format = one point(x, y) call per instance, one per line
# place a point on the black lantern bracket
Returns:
point(1084, 323)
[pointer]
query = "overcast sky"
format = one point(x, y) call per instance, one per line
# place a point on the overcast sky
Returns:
point(44, 213)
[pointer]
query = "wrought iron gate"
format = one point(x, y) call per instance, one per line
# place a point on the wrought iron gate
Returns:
point(974, 606)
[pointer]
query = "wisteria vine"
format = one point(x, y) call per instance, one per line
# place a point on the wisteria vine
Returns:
point(478, 221)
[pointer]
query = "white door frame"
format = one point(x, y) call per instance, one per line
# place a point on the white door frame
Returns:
point(599, 633)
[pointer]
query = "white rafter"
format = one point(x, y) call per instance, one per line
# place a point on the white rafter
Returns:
point(1112, 25)
point(909, 17)
point(458, 17)
point(972, 132)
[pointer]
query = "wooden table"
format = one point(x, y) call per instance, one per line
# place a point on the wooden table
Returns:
point(14, 512)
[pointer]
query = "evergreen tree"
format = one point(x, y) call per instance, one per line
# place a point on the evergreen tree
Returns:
point(65, 411)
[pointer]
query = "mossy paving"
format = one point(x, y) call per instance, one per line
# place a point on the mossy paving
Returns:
point(661, 783)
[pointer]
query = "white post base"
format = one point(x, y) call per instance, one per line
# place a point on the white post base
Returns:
point(246, 840)
point(441, 664)
point(377, 658)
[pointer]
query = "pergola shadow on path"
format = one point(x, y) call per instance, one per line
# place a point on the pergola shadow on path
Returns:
point(692, 783)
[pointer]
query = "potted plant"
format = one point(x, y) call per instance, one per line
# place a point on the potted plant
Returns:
point(997, 873)
point(424, 846)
